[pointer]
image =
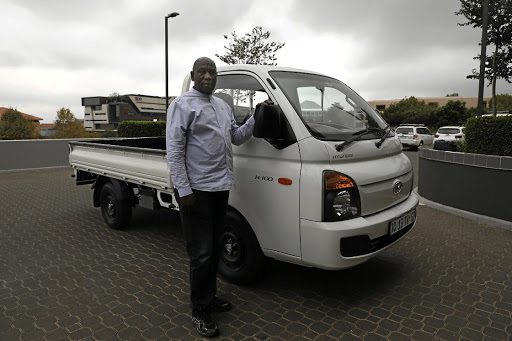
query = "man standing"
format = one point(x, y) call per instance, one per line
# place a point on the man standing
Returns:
point(200, 130)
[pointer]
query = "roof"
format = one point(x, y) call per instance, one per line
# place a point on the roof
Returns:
point(27, 116)
point(48, 125)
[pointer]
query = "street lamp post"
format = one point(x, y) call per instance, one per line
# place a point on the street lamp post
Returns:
point(481, 79)
point(171, 15)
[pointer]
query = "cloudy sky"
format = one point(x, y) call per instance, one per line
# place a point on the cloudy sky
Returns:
point(54, 52)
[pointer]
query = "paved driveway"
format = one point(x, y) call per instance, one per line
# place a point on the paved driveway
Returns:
point(65, 276)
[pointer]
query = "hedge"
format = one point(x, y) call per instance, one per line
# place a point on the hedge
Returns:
point(141, 129)
point(489, 135)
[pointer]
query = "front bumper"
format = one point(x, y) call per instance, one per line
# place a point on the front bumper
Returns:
point(321, 242)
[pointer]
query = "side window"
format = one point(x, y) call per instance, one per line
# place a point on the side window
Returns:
point(242, 93)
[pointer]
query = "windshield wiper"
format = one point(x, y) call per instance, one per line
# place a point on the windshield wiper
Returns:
point(357, 136)
point(385, 136)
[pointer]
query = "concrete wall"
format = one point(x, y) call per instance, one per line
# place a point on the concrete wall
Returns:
point(27, 154)
point(474, 183)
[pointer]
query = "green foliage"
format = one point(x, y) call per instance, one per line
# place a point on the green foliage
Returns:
point(67, 126)
point(453, 113)
point(489, 135)
point(499, 34)
point(503, 102)
point(411, 110)
point(108, 133)
point(250, 48)
point(13, 126)
point(141, 129)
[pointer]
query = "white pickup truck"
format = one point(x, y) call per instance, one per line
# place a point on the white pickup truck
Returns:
point(323, 182)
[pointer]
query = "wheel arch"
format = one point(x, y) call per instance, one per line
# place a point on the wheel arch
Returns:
point(120, 186)
point(240, 216)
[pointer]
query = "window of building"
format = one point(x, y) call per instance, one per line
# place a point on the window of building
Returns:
point(380, 106)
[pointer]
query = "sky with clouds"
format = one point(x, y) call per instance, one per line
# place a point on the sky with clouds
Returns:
point(55, 52)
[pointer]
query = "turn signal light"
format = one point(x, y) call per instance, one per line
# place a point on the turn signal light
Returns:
point(284, 181)
point(337, 181)
point(341, 199)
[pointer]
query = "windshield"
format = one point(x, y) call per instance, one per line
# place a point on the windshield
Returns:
point(404, 130)
point(448, 131)
point(329, 108)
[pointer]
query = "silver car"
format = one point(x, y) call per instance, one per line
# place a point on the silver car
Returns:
point(414, 135)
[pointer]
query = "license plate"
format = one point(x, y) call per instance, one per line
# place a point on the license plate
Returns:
point(402, 222)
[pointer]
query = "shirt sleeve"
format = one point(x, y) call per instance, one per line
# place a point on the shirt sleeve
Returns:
point(241, 134)
point(176, 139)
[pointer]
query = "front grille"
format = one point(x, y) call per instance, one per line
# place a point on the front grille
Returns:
point(363, 245)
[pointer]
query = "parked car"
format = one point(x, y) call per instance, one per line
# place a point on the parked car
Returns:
point(450, 133)
point(414, 135)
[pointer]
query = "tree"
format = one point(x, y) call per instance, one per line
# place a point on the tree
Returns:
point(503, 102)
point(66, 125)
point(453, 113)
point(411, 110)
point(13, 126)
point(499, 34)
point(250, 48)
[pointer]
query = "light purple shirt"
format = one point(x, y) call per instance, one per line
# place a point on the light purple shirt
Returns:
point(200, 130)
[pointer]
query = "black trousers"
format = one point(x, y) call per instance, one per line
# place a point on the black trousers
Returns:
point(202, 226)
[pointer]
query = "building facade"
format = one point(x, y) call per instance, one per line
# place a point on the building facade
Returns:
point(105, 113)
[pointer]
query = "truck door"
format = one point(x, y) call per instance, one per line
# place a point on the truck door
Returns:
point(267, 179)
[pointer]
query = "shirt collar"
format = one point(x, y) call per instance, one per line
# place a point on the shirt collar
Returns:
point(199, 93)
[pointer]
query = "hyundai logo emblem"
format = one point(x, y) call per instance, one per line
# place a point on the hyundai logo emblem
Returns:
point(397, 186)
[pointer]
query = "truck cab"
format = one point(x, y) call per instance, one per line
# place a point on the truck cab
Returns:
point(325, 183)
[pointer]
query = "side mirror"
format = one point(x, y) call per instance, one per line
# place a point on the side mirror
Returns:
point(268, 122)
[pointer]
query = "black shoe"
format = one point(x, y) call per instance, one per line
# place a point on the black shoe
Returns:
point(220, 305)
point(204, 323)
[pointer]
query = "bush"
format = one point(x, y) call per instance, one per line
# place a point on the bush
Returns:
point(108, 133)
point(13, 126)
point(141, 129)
point(489, 135)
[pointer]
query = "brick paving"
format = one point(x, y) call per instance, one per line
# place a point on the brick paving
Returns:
point(65, 276)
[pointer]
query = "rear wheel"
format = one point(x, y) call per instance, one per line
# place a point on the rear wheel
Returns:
point(241, 259)
point(116, 211)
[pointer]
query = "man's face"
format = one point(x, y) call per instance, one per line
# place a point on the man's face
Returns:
point(204, 76)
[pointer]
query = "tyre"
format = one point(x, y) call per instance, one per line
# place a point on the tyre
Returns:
point(116, 211)
point(241, 259)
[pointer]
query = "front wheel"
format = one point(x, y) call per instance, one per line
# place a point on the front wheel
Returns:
point(116, 211)
point(241, 259)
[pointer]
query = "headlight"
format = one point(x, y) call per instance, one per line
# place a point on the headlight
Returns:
point(341, 197)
